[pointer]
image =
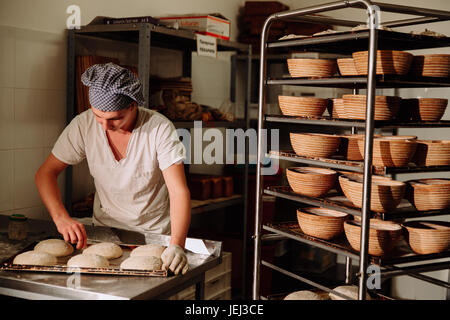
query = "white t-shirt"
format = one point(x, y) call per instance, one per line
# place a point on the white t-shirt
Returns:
point(130, 193)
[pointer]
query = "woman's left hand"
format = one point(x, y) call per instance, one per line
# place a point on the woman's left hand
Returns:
point(174, 259)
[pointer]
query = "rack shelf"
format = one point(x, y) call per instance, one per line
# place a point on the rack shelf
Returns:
point(303, 279)
point(354, 166)
point(349, 123)
point(338, 202)
point(211, 124)
point(162, 37)
point(360, 82)
point(401, 254)
point(351, 41)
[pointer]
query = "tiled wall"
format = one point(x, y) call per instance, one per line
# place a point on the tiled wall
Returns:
point(32, 113)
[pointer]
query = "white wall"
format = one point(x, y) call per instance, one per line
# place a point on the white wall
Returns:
point(50, 15)
point(32, 113)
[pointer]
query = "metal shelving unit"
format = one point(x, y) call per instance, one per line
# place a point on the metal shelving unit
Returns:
point(371, 39)
point(146, 36)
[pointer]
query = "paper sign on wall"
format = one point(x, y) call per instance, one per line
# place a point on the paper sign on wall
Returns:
point(206, 46)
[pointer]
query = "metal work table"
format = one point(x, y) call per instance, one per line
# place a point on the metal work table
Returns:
point(52, 285)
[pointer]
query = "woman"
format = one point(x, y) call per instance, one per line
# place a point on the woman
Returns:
point(136, 159)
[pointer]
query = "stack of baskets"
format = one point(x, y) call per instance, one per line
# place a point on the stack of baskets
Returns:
point(315, 144)
point(327, 224)
point(431, 65)
point(311, 68)
point(394, 151)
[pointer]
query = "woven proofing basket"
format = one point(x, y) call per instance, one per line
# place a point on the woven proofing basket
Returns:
point(311, 68)
point(302, 106)
point(386, 193)
point(321, 222)
point(432, 153)
point(429, 109)
point(391, 151)
point(383, 236)
point(426, 237)
point(310, 181)
point(347, 67)
point(314, 144)
point(386, 107)
point(429, 194)
point(388, 62)
point(431, 65)
point(338, 108)
point(349, 147)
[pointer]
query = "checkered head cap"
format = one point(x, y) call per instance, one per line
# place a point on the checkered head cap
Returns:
point(111, 87)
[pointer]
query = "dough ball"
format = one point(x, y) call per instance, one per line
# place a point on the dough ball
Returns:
point(56, 247)
point(36, 258)
point(154, 250)
point(142, 263)
point(108, 250)
point(88, 260)
point(349, 291)
point(304, 295)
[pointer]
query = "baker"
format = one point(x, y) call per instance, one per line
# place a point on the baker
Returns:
point(136, 159)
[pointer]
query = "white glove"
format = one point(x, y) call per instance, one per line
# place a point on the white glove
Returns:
point(174, 259)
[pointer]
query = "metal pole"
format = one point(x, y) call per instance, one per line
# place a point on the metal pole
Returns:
point(410, 22)
point(70, 111)
point(448, 290)
point(355, 129)
point(412, 10)
point(144, 60)
point(259, 179)
point(348, 270)
point(368, 145)
point(348, 260)
point(245, 222)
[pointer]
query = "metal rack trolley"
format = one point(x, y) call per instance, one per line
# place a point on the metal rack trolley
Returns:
point(147, 35)
point(348, 42)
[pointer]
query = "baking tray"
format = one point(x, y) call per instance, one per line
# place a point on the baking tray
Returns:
point(62, 267)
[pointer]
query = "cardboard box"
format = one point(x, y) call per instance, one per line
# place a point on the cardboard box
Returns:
point(213, 24)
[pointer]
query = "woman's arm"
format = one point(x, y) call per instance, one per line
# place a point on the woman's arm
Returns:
point(46, 182)
point(180, 203)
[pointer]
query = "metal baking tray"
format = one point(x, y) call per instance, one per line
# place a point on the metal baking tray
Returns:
point(61, 266)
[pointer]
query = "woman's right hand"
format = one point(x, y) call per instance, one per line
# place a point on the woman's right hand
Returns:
point(72, 230)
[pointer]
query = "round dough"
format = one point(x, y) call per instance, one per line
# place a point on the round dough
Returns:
point(349, 291)
point(56, 247)
point(88, 260)
point(154, 250)
point(36, 258)
point(142, 263)
point(304, 295)
point(108, 250)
